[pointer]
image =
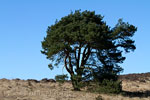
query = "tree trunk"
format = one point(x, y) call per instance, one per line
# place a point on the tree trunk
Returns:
point(75, 82)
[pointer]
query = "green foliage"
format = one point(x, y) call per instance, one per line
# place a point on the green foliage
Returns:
point(104, 81)
point(82, 41)
point(61, 78)
point(107, 86)
point(77, 83)
point(101, 73)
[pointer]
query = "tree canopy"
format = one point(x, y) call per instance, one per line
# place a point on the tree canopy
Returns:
point(82, 41)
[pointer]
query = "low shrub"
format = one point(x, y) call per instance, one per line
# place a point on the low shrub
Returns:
point(107, 86)
point(61, 78)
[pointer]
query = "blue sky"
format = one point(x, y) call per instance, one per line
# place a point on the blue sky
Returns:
point(23, 25)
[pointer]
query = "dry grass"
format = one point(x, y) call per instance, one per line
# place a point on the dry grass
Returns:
point(49, 90)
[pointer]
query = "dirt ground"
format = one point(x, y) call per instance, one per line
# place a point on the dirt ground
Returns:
point(136, 86)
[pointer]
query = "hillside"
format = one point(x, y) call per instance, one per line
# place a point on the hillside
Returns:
point(136, 86)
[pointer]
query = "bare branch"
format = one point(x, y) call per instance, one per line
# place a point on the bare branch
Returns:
point(65, 61)
point(70, 65)
point(75, 53)
point(85, 55)
point(79, 52)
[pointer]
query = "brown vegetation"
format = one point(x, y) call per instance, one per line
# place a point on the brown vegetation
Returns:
point(135, 87)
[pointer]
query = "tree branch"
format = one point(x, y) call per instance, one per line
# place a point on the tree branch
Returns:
point(70, 68)
point(78, 59)
point(85, 55)
point(70, 65)
point(75, 53)
point(65, 60)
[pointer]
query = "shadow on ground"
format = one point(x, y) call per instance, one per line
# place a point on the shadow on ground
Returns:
point(136, 94)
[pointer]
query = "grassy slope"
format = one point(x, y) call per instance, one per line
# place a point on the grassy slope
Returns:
point(137, 87)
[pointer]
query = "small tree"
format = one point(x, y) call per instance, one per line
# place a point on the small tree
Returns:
point(82, 41)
